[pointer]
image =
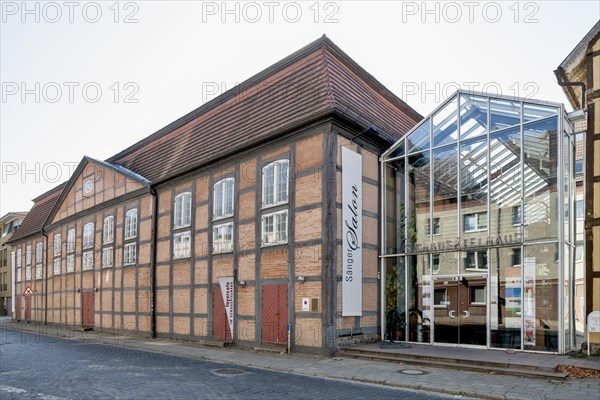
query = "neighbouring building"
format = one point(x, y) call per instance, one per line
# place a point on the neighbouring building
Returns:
point(255, 214)
point(579, 76)
point(9, 223)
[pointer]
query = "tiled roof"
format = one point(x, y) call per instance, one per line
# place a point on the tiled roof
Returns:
point(34, 221)
point(316, 81)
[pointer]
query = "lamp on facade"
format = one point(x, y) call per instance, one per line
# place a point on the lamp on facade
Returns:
point(242, 283)
point(301, 278)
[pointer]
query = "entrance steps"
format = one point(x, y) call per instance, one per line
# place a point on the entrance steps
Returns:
point(467, 359)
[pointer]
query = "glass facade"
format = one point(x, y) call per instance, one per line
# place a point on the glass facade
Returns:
point(474, 253)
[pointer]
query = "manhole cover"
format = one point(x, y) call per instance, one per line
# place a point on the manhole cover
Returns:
point(228, 372)
point(412, 372)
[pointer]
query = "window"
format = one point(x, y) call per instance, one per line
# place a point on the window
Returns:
point(476, 260)
point(475, 222)
point(223, 238)
point(223, 198)
point(28, 255)
point(130, 249)
point(129, 254)
point(516, 257)
point(57, 266)
point(107, 257)
point(108, 230)
point(579, 209)
point(183, 210)
point(436, 227)
point(18, 261)
point(579, 166)
point(28, 272)
point(88, 235)
point(182, 244)
point(131, 224)
point(70, 263)
point(517, 215)
point(440, 298)
point(477, 294)
point(87, 260)
point(274, 228)
point(578, 251)
point(108, 237)
point(275, 183)
point(39, 250)
point(57, 245)
point(71, 241)
point(435, 263)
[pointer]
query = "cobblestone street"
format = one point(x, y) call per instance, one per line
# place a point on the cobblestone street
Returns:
point(35, 366)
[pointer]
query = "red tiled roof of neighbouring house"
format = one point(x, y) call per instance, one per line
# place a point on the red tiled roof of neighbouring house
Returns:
point(36, 217)
point(317, 81)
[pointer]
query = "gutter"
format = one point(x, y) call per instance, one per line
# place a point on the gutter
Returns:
point(153, 261)
point(560, 73)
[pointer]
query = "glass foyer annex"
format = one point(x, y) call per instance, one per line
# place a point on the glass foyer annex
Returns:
point(478, 235)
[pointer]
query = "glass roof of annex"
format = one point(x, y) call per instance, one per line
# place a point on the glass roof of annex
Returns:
point(513, 129)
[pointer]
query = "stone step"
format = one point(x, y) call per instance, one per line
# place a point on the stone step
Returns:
point(216, 343)
point(278, 349)
point(511, 371)
point(466, 361)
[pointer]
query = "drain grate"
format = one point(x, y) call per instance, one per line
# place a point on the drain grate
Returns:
point(412, 372)
point(228, 372)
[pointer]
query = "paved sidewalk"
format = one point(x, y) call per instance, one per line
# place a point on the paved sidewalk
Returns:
point(453, 382)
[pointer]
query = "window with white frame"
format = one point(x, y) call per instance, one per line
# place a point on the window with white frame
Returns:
point(108, 237)
point(223, 238)
point(71, 241)
point(88, 235)
point(57, 247)
point(87, 260)
point(70, 263)
point(108, 230)
point(129, 253)
point(275, 177)
point(18, 261)
point(131, 224)
point(475, 222)
point(57, 266)
point(223, 198)
point(182, 244)
point(435, 263)
point(107, 257)
point(183, 210)
point(28, 262)
point(477, 294)
point(39, 251)
point(436, 227)
point(476, 260)
point(579, 214)
point(275, 228)
point(130, 248)
point(579, 251)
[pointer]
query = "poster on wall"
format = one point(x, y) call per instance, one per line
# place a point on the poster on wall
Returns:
point(529, 300)
point(351, 233)
point(228, 298)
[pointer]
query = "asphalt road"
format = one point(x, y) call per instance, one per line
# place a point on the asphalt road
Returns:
point(49, 368)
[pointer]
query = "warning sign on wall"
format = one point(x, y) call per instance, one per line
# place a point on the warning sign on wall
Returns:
point(28, 291)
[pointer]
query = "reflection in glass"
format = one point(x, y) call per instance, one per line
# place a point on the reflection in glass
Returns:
point(540, 297)
point(395, 299)
point(445, 190)
point(505, 297)
point(418, 199)
point(395, 217)
point(419, 298)
point(504, 113)
point(540, 146)
point(445, 124)
point(536, 111)
point(419, 139)
point(473, 116)
point(474, 191)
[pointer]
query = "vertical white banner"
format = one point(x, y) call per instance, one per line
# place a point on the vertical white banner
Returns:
point(228, 298)
point(351, 233)
point(529, 265)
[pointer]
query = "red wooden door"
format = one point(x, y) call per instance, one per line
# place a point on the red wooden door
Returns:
point(87, 309)
point(274, 313)
point(27, 308)
point(18, 312)
point(220, 324)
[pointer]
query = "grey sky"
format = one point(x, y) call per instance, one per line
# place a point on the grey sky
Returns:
point(170, 57)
